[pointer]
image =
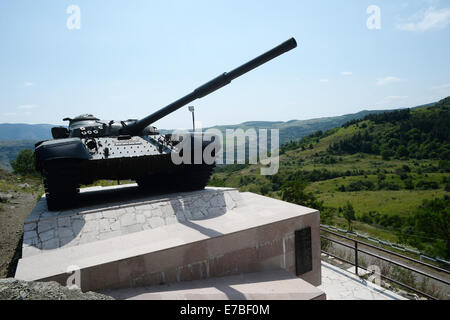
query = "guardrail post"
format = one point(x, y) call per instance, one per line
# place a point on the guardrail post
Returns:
point(356, 257)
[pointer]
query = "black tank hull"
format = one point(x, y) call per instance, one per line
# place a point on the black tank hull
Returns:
point(67, 165)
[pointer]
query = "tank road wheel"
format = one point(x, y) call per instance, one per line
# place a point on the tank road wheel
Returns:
point(149, 183)
point(61, 183)
point(194, 177)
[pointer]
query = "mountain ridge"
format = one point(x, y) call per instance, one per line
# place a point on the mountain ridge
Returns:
point(17, 136)
point(36, 132)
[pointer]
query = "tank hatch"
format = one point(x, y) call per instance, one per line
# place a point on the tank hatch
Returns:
point(82, 117)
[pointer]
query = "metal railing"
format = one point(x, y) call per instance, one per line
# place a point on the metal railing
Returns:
point(357, 250)
point(394, 246)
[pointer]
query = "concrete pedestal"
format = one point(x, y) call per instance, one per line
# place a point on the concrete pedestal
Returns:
point(131, 240)
point(272, 285)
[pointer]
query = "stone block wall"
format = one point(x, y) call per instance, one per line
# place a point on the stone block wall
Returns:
point(45, 230)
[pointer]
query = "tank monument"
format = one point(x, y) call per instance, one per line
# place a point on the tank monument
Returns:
point(169, 230)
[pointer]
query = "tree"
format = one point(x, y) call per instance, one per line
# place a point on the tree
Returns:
point(24, 163)
point(349, 214)
point(294, 192)
point(386, 154)
point(433, 219)
point(402, 151)
point(409, 184)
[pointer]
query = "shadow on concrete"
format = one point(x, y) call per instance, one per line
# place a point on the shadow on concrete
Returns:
point(195, 289)
point(57, 229)
point(12, 266)
point(206, 231)
point(52, 234)
point(131, 193)
point(209, 205)
point(111, 196)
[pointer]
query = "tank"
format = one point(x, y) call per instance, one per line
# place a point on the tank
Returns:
point(91, 149)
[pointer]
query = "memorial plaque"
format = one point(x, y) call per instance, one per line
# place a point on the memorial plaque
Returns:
point(303, 251)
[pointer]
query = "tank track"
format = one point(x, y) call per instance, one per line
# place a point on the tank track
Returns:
point(186, 178)
point(61, 183)
point(193, 177)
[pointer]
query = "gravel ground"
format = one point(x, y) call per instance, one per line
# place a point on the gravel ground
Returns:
point(13, 289)
point(12, 216)
point(14, 209)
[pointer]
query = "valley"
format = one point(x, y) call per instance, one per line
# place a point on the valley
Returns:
point(392, 168)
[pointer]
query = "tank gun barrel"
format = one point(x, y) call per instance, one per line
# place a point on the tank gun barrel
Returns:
point(213, 85)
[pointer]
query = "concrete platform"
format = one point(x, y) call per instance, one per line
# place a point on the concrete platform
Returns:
point(267, 285)
point(242, 233)
point(340, 284)
point(127, 210)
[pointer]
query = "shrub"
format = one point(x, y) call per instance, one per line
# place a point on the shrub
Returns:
point(359, 185)
point(409, 184)
point(24, 163)
point(388, 186)
point(386, 155)
point(348, 212)
point(294, 191)
point(447, 186)
point(427, 185)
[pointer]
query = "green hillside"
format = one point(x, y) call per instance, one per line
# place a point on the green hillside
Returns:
point(10, 149)
point(16, 136)
point(297, 129)
point(386, 165)
point(23, 131)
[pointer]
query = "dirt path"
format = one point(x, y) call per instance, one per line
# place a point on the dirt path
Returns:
point(12, 216)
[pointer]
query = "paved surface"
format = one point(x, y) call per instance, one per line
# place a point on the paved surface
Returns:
point(273, 285)
point(47, 230)
point(259, 229)
point(339, 284)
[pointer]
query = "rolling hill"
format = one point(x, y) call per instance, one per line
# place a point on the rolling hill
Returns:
point(296, 129)
point(289, 130)
point(17, 136)
point(23, 131)
point(387, 165)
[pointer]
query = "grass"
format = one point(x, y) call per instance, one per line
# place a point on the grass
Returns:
point(349, 168)
point(361, 227)
point(107, 183)
point(15, 183)
point(402, 202)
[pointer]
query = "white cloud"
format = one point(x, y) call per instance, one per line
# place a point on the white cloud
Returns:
point(27, 106)
point(442, 86)
point(387, 80)
point(28, 84)
point(346, 73)
point(323, 80)
point(430, 19)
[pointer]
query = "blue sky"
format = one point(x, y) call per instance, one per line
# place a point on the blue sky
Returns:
point(129, 58)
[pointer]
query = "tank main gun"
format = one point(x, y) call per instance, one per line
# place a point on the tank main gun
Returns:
point(91, 149)
point(209, 87)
